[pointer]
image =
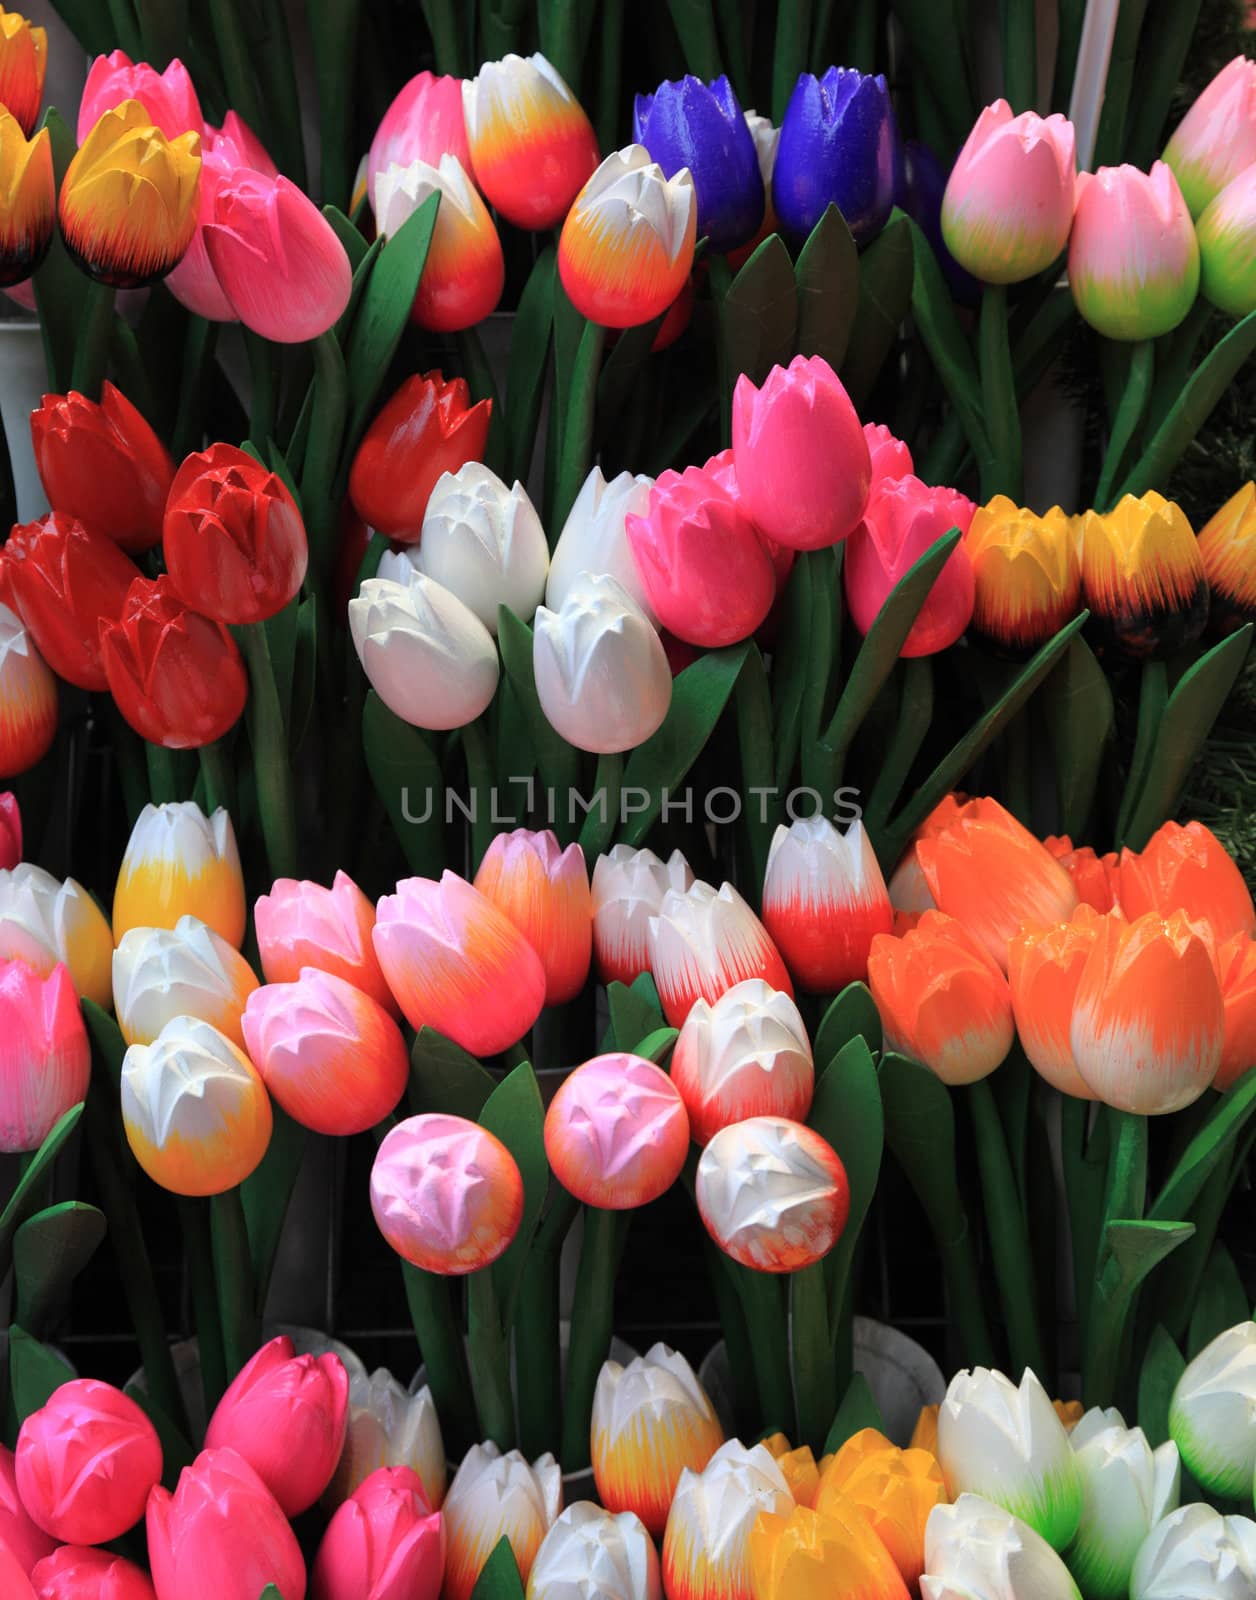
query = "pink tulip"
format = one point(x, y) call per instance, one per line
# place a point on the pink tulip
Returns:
point(10, 831)
point(45, 1059)
point(221, 1535)
point(702, 942)
point(286, 1415)
point(79, 1572)
point(456, 964)
point(384, 1543)
point(86, 1461)
point(276, 258)
point(168, 97)
point(723, 469)
point(446, 1193)
point(1133, 259)
point(901, 523)
point(423, 123)
point(332, 1057)
point(224, 151)
point(1008, 204)
point(708, 578)
point(617, 1132)
point(301, 924)
point(27, 1542)
point(14, 1584)
point(1216, 139)
point(890, 457)
point(544, 890)
point(802, 459)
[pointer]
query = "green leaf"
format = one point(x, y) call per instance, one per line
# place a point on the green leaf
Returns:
point(176, 1452)
point(304, 672)
point(107, 1037)
point(557, 762)
point(885, 297)
point(655, 1046)
point(515, 1114)
point(529, 352)
point(852, 1014)
point(355, 247)
point(362, 271)
point(1077, 700)
point(857, 1411)
point(58, 283)
point(408, 779)
point(766, 810)
point(827, 279)
point(634, 1011)
point(944, 339)
point(789, 671)
point(35, 1372)
point(1135, 1249)
point(846, 1111)
point(1212, 1143)
point(499, 1579)
point(266, 1194)
point(50, 1249)
point(760, 313)
point(1193, 707)
point(25, 1198)
point(443, 1077)
point(629, 356)
point(699, 695)
point(694, 22)
point(270, 1592)
point(1162, 1366)
point(1221, 1303)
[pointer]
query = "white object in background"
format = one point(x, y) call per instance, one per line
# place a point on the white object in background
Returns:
point(1090, 77)
point(23, 382)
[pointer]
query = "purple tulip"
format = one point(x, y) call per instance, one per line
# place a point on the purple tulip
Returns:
point(839, 145)
point(692, 124)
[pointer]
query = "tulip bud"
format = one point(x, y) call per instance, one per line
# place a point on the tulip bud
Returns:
point(1096, 878)
point(179, 862)
point(1196, 1551)
point(651, 1420)
point(23, 62)
point(493, 1497)
point(838, 146)
point(80, 1572)
point(975, 1550)
point(1212, 1416)
point(484, 543)
point(803, 468)
point(44, 921)
point(19, 1535)
point(824, 900)
point(464, 271)
point(893, 1490)
point(531, 144)
point(221, 1535)
point(195, 1111)
point(601, 672)
point(1216, 139)
point(627, 891)
point(45, 1059)
point(702, 942)
point(693, 126)
point(627, 245)
point(747, 1055)
point(428, 657)
point(168, 97)
point(384, 1543)
point(616, 1133)
point(330, 1055)
point(428, 427)
point(285, 1415)
point(706, 1545)
point(1127, 1488)
point(128, 199)
point(802, 1551)
point(1045, 966)
point(544, 891)
point(594, 539)
point(423, 123)
point(1236, 970)
point(1187, 869)
point(590, 1555)
point(387, 1427)
point(28, 199)
point(186, 971)
point(28, 699)
point(1007, 1444)
point(1133, 261)
point(85, 1462)
point(302, 924)
point(456, 964)
point(446, 1194)
point(1026, 571)
point(903, 521)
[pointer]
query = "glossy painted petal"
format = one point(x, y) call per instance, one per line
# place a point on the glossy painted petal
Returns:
point(544, 890)
point(484, 543)
point(184, 971)
point(493, 1497)
point(617, 1133)
point(1227, 546)
point(23, 63)
point(589, 1552)
point(702, 942)
point(690, 124)
point(179, 862)
point(423, 123)
point(464, 272)
point(28, 199)
point(900, 524)
point(28, 699)
point(706, 1543)
point(838, 145)
point(627, 890)
point(975, 1550)
point(384, 1543)
point(1143, 577)
point(1216, 139)
point(45, 1062)
point(824, 900)
point(1236, 968)
point(1212, 1416)
point(1196, 1550)
point(594, 541)
point(168, 97)
point(893, 1490)
point(803, 1555)
point(1026, 571)
point(44, 920)
point(389, 1427)
point(1045, 966)
point(1133, 260)
point(1127, 1487)
point(1187, 868)
point(302, 924)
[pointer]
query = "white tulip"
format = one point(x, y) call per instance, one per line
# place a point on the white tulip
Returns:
point(975, 1550)
point(601, 672)
point(1127, 1487)
point(484, 543)
point(766, 138)
point(703, 941)
point(387, 1427)
point(495, 1496)
point(628, 889)
point(428, 657)
point(593, 539)
point(1008, 1445)
point(1197, 1554)
point(44, 921)
point(400, 191)
point(184, 971)
point(1212, 1415)
point(591, 1555)
point(706, 1545)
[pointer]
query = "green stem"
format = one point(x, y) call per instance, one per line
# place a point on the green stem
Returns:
point(998, 395)
point(91, 355)
point(442, 18)
point(1125, 1199)
point(321, 487)
point(1079, 1189)
point(269, 740)
point(789, 58)
point(429, 1297)
point(1153, 696)
point(763, 1304)
point(198, 353)
point(591, 1327)
point(815, 1375)
point(537, 1354)
point(602, 819)
point(199, 1255)
point(237, 66)
point(1019, 30)
point(219, 778)
point(610, 70)
point(163, 785)
point(720, 277)
point(482, 795)
point(233, 1273)
point(483, 386)
point(577, 444)
point(1008, 1231)
point(488, 1353)
point(262, 394)
point(1129, 414)
point(736, 1337)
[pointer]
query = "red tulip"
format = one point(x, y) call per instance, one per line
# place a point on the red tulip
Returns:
point(902, 521)
point(10, 831)
point(103, 464)
point(80, 1572)
point(384, 1543)
point(427, 428)
point(177, 676)
point(63, 580)
point(233, 537)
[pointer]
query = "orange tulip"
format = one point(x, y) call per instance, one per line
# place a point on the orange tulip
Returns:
point(544, 890)
point(1148, 1019)
point(798, 1466)
point(942, 999)
point(23, 62)
point(1236, 966)
point(1096, 878)
point(1044, 969)
point(806, 1556)
point(1187, 869)
point(1227, 545)
point(893, 1490)
point(989, 871)
point(925, 1434)
point(28, 199)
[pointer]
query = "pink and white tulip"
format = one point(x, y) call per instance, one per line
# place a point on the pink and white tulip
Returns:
point(423, 123)
point(302, 924)
point(544, 890)
point(702, 942)
point(1133, 260)
point(616, 1133)
point(1216, 139)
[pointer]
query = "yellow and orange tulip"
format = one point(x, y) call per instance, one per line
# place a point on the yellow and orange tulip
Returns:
point(1027, 573)
point(1187, 869)
point(893, 1490)
point(129, 199)
point(178, 863)
point(1143, 577)
point(28, 199)
point(23, 62)
point(1044, 970)
point(798, 1467)
point(1227, 546)
point(806, 1556)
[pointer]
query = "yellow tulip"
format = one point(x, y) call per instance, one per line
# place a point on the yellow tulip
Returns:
point(893, 1490)
point(1227, 543)
point(178, 863)
point(129, 198)
point(925, 1433)
point(798, 1466)
point(23, 62)
point(1027, 573)
point(806, 1556)
point(1143, 577)
point(28, 207)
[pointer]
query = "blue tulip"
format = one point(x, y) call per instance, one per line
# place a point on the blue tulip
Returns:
point(702, 127)
point(839, 145)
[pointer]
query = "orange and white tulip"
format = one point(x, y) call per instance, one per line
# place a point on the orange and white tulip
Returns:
point(651, 1420)
point(704, 941)
point(1045, 968)
point(591, 1554)
point(806, 1556)
point(44, 921)
point(824, 901)
point(1187, 869)
point(628, 889)
point(180, 863)
point(616, 1133)
point(28, 699)
point(705, 1546)
point(544, 890)
point(493, 1497)
point(894, 1490)
point(184, 971)
point(464, 272)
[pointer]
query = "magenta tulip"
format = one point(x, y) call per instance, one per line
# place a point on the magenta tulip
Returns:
point(27, 1542)
point(384, 1543)
point(224, 152)
point(45, 1059)
point(423, 123)
point(901, 523)
point(802, 460)
point(890, 457)
point(168, 97)
point(80, 1572)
